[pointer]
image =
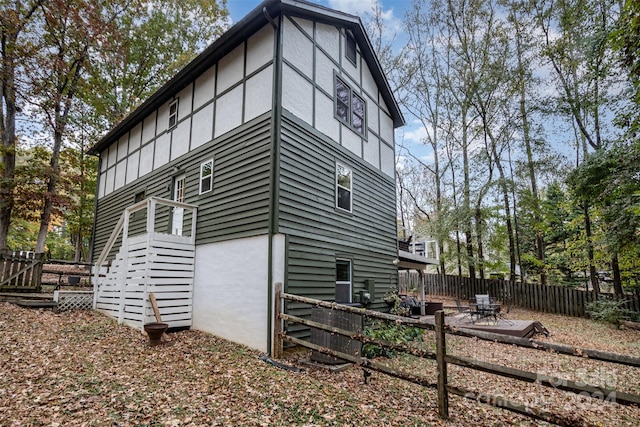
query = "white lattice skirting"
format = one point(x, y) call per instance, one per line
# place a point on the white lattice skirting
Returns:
point(73, 300)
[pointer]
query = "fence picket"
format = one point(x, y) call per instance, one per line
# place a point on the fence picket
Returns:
point(548, 298)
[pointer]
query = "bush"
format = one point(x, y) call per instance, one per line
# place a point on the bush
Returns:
point(609, 311)
point(397, 334)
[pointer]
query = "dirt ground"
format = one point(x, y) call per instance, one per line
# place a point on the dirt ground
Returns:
point(81, 368)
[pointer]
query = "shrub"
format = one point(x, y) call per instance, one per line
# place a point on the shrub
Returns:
point(609, 311)
point(393, 333)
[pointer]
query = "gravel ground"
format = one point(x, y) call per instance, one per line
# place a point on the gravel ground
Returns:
point(81, 368)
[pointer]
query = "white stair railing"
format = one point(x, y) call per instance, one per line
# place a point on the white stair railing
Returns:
point(122, 226)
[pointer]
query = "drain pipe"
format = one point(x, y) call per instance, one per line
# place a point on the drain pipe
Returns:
point(273, 186)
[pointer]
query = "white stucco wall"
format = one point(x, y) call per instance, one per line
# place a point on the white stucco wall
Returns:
point(230, 288)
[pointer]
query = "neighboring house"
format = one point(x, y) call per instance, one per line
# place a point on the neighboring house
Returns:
point(279, 138)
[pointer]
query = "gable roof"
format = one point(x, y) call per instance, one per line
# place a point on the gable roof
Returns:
point(242, 30)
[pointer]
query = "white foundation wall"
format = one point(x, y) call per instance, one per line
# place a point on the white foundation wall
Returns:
point(230, 293)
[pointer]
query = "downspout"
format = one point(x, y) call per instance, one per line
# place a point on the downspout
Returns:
point(93, 229)
point(95, 210)
point(274, 173)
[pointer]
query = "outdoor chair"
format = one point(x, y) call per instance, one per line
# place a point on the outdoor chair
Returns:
point(486, 308)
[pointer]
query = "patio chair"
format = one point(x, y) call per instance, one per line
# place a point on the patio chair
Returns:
point(486, 308)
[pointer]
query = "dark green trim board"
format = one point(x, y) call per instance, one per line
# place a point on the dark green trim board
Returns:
point(276, 108)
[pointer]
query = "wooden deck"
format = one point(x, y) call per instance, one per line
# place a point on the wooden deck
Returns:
point(516, 328)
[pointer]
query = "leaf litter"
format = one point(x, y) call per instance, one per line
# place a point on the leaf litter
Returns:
point(81, 368)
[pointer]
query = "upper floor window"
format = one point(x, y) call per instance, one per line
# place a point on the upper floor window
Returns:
point(343, 187)
point(350, 107)
point(206, 176)
point(350, 48)
point(173, 113)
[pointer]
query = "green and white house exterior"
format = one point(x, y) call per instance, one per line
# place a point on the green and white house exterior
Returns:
point(279, 140)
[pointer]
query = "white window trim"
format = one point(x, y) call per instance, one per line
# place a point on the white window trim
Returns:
point(173, 115)
point(349, 282)
point(202, 177)
point(338, 186)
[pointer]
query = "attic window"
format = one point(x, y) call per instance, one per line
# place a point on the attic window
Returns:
point(350, 48)
point(173, 113)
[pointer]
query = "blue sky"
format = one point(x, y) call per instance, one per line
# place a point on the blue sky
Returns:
point(392, 9)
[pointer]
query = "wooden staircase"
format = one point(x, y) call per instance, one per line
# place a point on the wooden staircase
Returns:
point(156, 262)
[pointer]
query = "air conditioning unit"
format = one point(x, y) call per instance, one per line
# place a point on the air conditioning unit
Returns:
point(339, 319)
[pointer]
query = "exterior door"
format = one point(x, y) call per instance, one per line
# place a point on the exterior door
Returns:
point(177, 215)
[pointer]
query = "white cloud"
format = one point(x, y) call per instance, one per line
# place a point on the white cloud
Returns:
point(354, 7)
point(365, 9)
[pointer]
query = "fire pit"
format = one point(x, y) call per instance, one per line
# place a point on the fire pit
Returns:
point(155, 331)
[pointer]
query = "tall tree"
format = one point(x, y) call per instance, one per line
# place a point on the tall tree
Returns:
point(575, 37)
point(84, 51)
point(70, 30)
point(15, 16)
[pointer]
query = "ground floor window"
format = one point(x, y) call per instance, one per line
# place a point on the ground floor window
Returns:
point(343, 280)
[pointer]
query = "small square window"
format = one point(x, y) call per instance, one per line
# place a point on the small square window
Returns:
point(343, 187)
point(138, 197)
point(206, 176)
point(350, 49)
point(173, 114)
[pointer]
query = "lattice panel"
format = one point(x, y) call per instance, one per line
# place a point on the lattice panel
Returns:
point(78, 300)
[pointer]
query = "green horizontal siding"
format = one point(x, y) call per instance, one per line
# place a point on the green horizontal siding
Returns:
point(238, 205)
point(317, 232)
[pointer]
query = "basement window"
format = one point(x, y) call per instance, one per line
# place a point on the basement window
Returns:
point(343, 280)
point(173, 113)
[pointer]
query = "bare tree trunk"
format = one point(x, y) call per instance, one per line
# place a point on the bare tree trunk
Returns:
point(617, 279)
point(480, 236)
point(45, 217)
point(593, 275)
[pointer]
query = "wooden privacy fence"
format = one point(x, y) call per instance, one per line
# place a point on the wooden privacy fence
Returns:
point(550, 299)
point(21, 271)
point(442, 359)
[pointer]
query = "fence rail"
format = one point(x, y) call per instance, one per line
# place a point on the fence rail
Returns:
point(551, 299)
point(442, 359)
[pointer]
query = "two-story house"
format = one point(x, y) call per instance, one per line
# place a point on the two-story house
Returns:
point(279, 141)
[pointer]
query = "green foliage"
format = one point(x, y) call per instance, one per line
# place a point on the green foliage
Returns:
point(155, 40)
point(608, 311)
point(391, 333)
